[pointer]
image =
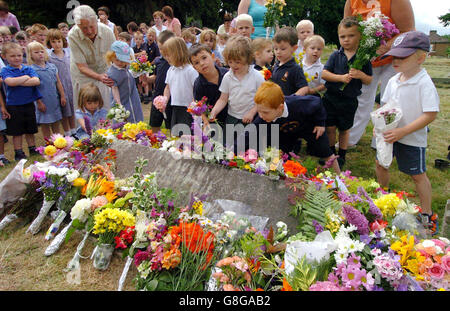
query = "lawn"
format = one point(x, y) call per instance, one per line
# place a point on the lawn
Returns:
point(21, 254)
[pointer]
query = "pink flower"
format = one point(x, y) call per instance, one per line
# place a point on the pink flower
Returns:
point(324, 286)
point(251, 155)
point(436, 271)
point(229, 288)
point(446, 263)
point(160, 102)
point(98, 202)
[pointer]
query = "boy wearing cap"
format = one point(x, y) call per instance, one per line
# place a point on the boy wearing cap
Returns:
point(411, 90)
point(124, 90)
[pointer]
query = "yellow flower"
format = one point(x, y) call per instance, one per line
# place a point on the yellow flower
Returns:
point(197, 206)
point(50, 150)
point(79, 182)
point(60, 143)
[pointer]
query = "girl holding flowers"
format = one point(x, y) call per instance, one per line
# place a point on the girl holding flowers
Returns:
point(124, 90)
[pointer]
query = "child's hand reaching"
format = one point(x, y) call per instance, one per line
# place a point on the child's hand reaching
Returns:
point(318, 130)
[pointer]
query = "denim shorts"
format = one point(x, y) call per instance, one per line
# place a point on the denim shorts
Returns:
point(410, 159)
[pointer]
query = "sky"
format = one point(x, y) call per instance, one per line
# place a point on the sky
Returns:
point(426, 14)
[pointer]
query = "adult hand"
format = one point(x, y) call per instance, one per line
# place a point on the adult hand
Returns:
point(106, 80)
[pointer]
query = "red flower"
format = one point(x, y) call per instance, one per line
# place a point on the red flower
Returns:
point(377, 225)
point(232, 164)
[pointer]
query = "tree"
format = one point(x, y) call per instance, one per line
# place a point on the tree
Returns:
point(445, 19)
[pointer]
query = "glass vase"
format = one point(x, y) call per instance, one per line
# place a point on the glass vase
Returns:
point(102, 256)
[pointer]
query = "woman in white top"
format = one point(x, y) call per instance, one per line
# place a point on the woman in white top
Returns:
point(103, 17)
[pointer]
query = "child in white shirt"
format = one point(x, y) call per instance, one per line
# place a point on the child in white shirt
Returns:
point(312, 66)
point(411, 90)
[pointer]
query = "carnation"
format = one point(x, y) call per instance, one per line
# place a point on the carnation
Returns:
point(324, 286)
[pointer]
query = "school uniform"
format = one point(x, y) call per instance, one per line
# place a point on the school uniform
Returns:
point(99, 114)
point(20, 102)
point(63, 65)
point(314, 72)
point(289, 77)
point(300, 115)
point(181, 82)
point(152, 51)
point(129, 96)
point(50, 95)
point(203, 87)
point(340, 104)
point(157, 117)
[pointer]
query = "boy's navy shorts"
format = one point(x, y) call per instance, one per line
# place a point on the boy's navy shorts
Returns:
point(410, 159)
point(22, 121)
point(340, 111)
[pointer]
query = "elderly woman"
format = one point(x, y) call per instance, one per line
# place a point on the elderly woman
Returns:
point(89, 41)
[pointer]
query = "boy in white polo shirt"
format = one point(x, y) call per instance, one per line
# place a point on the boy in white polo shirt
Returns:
point(312, 66)
point(412, 90)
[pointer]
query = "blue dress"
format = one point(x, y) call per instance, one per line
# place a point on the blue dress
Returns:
point(129, 96)
point(257, 12)
point(49, 92)
point(63, 65)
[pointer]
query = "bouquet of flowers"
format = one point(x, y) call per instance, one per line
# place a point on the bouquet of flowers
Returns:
point(56, 147)
point(375, 31)
point(273, 14)
point(141, 66)
point(118, 113)
point(197, 108)
point(160, 102)
point(384, 119)
point(53, 182)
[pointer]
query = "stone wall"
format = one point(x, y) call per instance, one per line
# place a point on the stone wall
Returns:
point(265, 196)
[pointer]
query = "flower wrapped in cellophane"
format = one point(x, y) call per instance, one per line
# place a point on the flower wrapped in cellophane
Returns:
point(141, 66)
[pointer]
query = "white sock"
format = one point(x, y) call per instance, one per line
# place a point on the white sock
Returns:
point(73, 131)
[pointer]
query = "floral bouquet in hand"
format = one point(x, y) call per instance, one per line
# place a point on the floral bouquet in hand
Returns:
point(375, 31)
point(197, 108)
point(384, 119)
point(118, 113)
point(141, 66)
point(273, 14)
point(160, 102)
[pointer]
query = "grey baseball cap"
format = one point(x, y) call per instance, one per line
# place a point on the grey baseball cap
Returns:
point(409, 42)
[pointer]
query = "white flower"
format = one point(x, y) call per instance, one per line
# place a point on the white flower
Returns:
point(81, 209)
point(72, 175)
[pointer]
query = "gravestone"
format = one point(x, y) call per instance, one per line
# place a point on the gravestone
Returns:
point(265, 196)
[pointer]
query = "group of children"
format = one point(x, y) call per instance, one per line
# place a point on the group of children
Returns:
point(304, 98)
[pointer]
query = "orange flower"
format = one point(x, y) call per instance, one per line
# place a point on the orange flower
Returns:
point(293, 168)
point(286, 287)
point(171, 258)
point(106, 187)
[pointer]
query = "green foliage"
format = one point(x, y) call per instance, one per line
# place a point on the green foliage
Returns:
point(313, 207)
point(445, 19)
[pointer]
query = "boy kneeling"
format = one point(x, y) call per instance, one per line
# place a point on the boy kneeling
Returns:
point(297, 117)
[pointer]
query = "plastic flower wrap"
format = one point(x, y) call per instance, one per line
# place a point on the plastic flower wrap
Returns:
point(118, 113)
point(141, 66)
point(384, 119)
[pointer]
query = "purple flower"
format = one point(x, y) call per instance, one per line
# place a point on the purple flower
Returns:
point(373, 209)
point(117, 125)
point(87, 125)
point(356, 218)
point(318, 227)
